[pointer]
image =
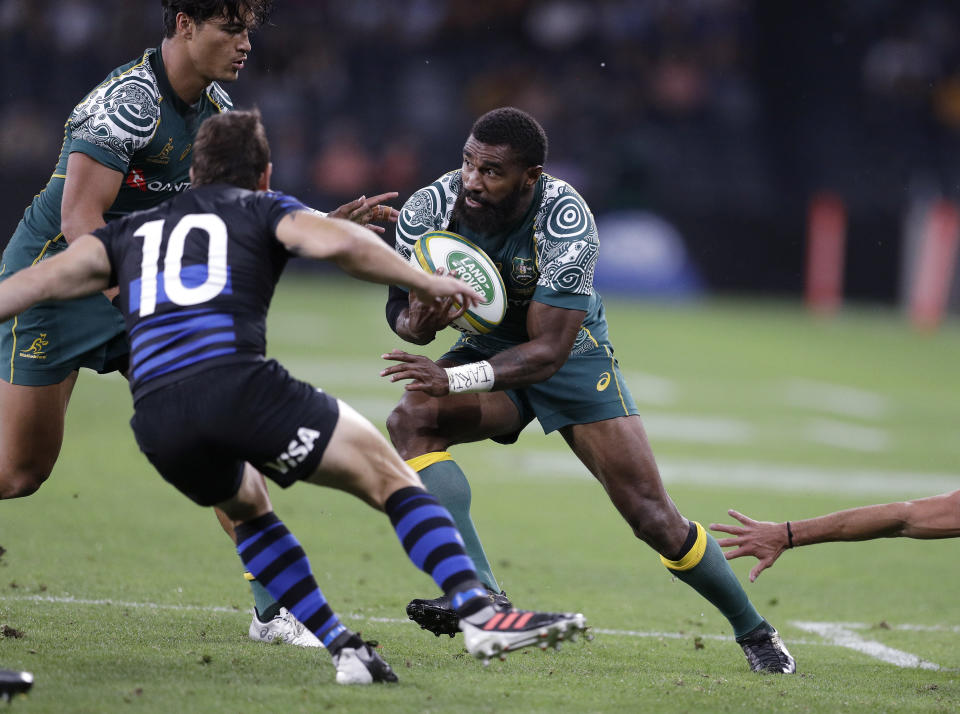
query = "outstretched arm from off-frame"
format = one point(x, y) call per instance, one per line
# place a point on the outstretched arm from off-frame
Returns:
point(82, 269)
point(925, 518)
point(361, 254)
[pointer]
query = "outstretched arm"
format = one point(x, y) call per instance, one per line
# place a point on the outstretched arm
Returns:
point(363, 255)
point(934, 517)
point(82, 269)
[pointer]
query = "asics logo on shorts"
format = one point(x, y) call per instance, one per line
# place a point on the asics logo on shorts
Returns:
point(604, 381)
point(297, 451)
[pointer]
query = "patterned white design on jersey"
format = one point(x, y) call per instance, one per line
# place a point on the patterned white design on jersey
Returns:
point(583, 344)
point(568, 218)
point(567, 240)
point(218, 96)
point(120, 115)
point(568, 266)
point(564, 230)
point(427, 210)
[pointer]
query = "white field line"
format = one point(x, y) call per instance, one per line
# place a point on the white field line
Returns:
point(651, 389)
point(699, 429)
point(835, 633)
point(511, 465)
point(847, 436)
point(836, 399)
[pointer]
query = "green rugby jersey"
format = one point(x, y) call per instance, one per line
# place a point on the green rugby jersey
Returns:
point(548, 256)
point(132, 122)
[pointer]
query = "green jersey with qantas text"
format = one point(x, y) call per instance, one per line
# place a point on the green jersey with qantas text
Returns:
point(132, 122)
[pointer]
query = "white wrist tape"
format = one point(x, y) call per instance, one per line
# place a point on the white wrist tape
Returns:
point(473, 377)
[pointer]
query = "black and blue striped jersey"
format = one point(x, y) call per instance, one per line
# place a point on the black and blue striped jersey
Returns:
point(196, 277)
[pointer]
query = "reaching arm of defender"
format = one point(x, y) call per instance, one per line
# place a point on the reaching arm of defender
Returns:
point(925, 518)
point(82, 269)
point(363, 255)
point(364, 211)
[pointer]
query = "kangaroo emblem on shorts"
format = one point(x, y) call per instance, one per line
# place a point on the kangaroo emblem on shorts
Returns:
point(35, 350)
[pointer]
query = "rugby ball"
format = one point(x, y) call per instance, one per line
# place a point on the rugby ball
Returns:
point(443, 249)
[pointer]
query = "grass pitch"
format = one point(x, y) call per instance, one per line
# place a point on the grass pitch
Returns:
point(121, 596)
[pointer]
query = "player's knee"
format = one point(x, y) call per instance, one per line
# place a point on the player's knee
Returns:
point(403, 424)
point(655, 524)
point(654, 535)
point(21, 482)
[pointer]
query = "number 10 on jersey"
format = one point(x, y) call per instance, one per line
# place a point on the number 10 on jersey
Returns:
point(204, 281)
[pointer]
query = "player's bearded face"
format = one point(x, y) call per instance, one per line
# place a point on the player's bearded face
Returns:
point(488, 217)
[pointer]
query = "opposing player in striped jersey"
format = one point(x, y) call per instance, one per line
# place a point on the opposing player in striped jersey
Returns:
point(550, 359)
point(196, 275)
point(127, 146)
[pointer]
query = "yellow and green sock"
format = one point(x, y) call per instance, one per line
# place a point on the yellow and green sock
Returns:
point(702, 565)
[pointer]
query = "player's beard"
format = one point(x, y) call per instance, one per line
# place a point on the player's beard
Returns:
point(489, 218)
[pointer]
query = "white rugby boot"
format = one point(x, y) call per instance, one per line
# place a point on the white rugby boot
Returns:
point(284, 628)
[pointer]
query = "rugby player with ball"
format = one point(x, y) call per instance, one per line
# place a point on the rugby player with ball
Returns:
point(549, 358)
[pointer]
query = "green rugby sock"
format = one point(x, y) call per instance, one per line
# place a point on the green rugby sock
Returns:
point(267, 607)
point(446, 481)
point(704, 568)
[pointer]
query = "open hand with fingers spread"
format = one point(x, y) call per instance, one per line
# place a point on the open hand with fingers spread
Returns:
point(764, 540)
point(366, 211)
point(425, 374)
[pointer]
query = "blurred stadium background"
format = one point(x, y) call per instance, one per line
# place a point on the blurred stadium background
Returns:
point(700, 132)
point(697, 130)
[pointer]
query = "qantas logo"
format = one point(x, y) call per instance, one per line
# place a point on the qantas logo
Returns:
point(297, 451)
point(136, 179)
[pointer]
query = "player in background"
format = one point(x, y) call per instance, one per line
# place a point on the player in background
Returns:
point(924, 518)
point(196, 276)
point(126, 146)
point(549, 359)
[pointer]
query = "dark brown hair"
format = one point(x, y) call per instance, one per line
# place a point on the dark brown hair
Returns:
point(231, 148)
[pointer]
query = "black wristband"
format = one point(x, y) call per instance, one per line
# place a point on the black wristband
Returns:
point(789, 536)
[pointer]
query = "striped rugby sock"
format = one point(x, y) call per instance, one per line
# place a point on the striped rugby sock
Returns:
point(274, 557)
point(444, 478)
point(433, 543)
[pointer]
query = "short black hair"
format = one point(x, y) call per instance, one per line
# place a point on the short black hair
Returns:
point(202, 10)
point(231, 148)
point(509, 126)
